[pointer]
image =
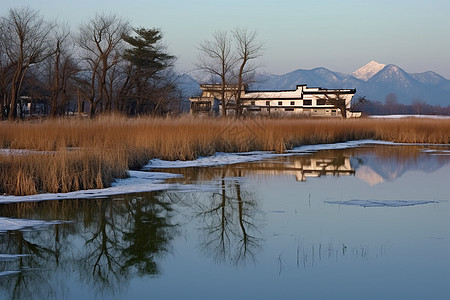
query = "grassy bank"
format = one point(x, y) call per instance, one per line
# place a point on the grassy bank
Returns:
point(84, 154)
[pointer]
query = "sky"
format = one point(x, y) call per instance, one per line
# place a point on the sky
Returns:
point(339, 35)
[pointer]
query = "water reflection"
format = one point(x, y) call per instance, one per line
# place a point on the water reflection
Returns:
point(230, 233)
point(39, 256)
point(325, 163)
point(379, 164)
point(371, 164)
point(251, 214)
point(111, 242)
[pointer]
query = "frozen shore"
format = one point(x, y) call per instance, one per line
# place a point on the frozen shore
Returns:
point(148, 180)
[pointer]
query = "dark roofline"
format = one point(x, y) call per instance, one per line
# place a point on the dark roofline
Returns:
point(274, 91)
point(270, 99)
point(331, 91)
point(320, 90)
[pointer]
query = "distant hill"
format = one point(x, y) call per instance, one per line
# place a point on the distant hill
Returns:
point(374, 81)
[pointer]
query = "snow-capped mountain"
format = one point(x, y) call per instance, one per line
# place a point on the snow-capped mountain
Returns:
point(374, 81)
point(366, 72)
point(370, 81)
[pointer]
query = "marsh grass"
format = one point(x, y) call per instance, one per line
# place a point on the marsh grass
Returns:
point(85, 154)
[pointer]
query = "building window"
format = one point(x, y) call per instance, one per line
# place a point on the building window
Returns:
point(292, 102)
point(307, 102)
point(252, 102)
point(268, 103)
point(321, 101)
point(280, 102)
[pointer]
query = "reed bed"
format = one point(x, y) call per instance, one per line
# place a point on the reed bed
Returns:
point(71, 154)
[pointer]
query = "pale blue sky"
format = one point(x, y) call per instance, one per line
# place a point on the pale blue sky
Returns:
point(339, 35)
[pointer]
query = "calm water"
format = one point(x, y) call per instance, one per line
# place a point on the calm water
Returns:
point(363, 223)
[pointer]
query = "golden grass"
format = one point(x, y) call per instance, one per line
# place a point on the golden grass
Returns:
point(84, 154)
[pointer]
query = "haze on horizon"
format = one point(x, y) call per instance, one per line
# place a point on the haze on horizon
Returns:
point(339, 35)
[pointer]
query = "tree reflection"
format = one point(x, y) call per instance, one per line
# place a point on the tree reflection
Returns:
point(230, 234)
point(119, 240)
point(32, 263)
point(100, 261)
point(125, 239)
point(149, 234)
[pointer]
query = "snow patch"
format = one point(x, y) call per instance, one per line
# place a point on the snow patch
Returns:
point(8, 224)
point(338, 146)
point(410, 116)
point(137, 182)
point(7, 257)
point(437, 152)
point(23, 152)
point(381, 203)
point(8, 273)
point(219, 159)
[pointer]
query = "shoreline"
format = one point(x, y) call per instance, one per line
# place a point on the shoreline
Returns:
point(64, 155)
point(149, 181)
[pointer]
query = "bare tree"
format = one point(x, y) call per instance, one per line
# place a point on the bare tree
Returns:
point(60, 70)
point(248, 48)
point(24, 38)
point(391, 102)
point(339, 101)
point(356, 104)
point(6, 68)
point(100, 39)
point(218, 59)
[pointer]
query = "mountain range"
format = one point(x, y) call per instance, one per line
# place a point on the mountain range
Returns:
point(374, 81)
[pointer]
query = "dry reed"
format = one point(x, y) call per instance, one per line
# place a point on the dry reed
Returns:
point(85, 154)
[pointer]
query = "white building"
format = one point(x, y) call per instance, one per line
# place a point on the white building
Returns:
point(301, 101)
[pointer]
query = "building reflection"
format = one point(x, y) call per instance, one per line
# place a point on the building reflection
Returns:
point(301, 167)
point(305, 167)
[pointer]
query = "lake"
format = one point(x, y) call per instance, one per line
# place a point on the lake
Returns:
point(364, 222)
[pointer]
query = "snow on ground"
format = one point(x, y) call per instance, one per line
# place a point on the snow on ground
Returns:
point(137, 182)
point(221, 158)
point(339, 146)
point(381, 203)
point(437, 152)
point(409, 116)
point(23, 152)
point(218, 159)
